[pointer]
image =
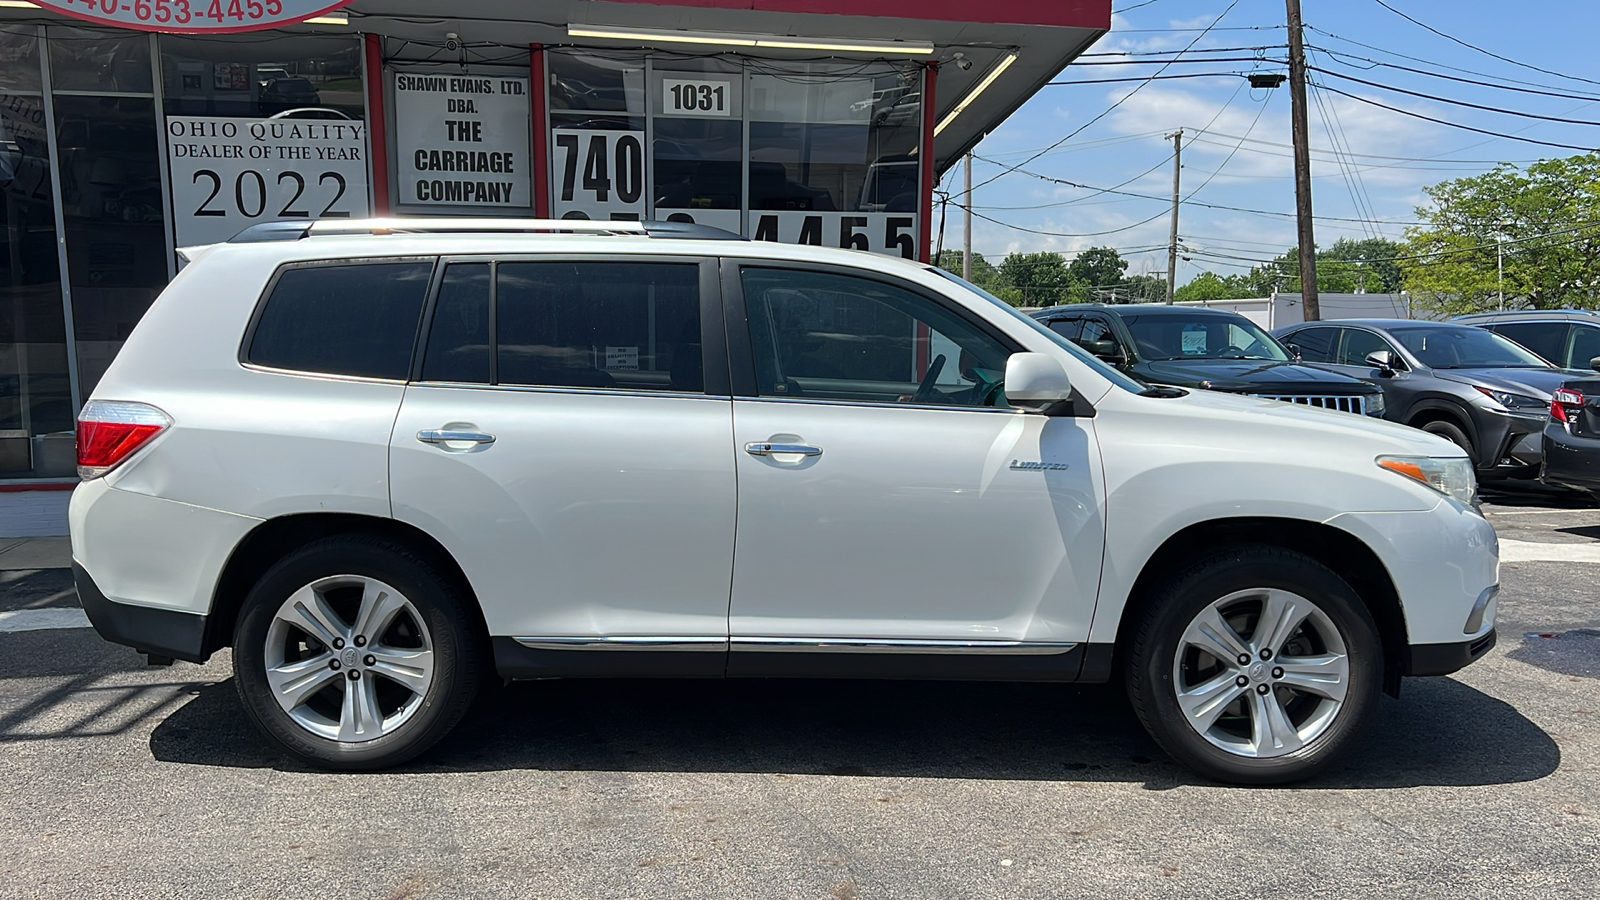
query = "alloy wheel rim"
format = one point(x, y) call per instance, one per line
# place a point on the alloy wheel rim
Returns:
point(349, 658)
point(1261, 673)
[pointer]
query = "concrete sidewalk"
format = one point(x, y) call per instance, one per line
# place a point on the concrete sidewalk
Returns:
point(35, 553)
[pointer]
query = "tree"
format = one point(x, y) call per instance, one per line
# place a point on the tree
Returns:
point(1345, 268)
point(1098, 267)
point(1543, 219)
point(1206, 286)
point(1042, 279)
point(984, 275)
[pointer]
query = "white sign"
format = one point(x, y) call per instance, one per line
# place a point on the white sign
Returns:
point(194, 16)
point(893, 233)
point(229, 174)
point(702, 97)
point(597, 174)
point(622, 357)
point(462, 140)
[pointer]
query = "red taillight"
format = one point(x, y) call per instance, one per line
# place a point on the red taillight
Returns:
point(1564, 405)
point(109, 431)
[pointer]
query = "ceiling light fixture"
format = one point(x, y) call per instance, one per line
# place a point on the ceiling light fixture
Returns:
point(332, 18)
point(983, 85)
point(762, 41)
point(18, 4)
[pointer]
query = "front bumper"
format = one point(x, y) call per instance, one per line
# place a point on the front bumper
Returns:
point(1509, 443)
point(162, 632)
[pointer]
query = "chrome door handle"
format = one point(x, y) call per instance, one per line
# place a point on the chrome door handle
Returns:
point(761, 448)
point(441, 436)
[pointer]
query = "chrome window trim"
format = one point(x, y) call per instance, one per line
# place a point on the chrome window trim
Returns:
point(324, 376)
point(869, 404)
point(557, 389)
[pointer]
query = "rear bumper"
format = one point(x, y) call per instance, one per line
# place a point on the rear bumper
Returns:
point(163, 632)
point(1570, 461)
point(1442, 659)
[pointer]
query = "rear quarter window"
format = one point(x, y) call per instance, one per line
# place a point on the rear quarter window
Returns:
point(357, 320)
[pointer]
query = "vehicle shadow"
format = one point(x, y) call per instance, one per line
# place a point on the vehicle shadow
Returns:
point(1441, 732)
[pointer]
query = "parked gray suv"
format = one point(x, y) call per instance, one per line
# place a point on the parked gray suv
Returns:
point(1487, 394)
point(1566, 338)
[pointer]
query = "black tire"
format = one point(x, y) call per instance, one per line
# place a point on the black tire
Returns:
point(456, 657)
point(1452, 432)
point(1154, 643)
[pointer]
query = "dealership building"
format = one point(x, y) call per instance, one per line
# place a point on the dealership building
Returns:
point(813, 121)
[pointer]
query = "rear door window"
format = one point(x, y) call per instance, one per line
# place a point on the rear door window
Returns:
point(1067, 328)
point(629, 326)
point(1547, 339)
point(458, 338)
point(357, 319)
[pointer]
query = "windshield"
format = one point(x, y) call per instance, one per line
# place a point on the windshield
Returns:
point(1078, 353)
point(1166, 336)
point(1464, 347)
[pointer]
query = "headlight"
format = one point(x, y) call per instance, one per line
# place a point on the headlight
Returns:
point(1450, 476)
point(1514, 401)
point(1375, 406)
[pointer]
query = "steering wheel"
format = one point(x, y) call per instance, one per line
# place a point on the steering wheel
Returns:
point(1230, 352)
point(925, 392)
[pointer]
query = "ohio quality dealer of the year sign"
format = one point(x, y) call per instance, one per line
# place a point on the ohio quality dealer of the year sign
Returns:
point(193, 16)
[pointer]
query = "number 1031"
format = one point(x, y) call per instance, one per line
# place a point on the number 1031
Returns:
point(699, 97)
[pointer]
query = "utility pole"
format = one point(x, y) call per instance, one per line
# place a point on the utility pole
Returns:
point(966, 224)
point(1172, 242)
point(1310, 307)
point(1500, 267)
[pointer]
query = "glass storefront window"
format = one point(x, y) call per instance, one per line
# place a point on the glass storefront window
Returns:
point(36, 414)
point(835, 139)
point(697, 143)
point(116, 238)
point(597, 136)
point(296, 76)
point(82, 59)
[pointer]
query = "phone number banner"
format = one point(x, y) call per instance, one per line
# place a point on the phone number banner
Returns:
point(193, 16)
point(231, 173)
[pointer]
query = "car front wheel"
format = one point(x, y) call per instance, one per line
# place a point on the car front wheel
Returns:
point(1255, 666)
point(354, 653)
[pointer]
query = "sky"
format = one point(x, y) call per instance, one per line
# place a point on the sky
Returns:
point(1370, 162)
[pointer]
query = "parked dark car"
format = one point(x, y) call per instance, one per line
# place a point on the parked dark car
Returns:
point(1489, 395)
point(1572, 436)
point(1565, 338)
point(1211, 349)
point(281, 94)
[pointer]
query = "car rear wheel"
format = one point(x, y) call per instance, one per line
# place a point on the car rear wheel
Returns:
point(354, 653)
point(1255, 666)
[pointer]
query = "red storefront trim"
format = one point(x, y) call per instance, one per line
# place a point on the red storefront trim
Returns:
point(377, 130)
point(1063, 13)
point(537, 86)
point(930, 76)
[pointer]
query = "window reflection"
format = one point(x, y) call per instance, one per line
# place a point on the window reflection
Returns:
point(301, 77)
point(36, 415)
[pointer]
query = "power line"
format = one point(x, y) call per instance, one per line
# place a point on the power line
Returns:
point(1435, 63)
point(1338, 56)
point(1489, 53)
point(1144, 78)
point(1127, 53)
point(1437, 121)
point(1124, 98)
point(1493, 109)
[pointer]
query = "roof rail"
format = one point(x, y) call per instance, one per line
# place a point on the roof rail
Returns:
point(294, 231)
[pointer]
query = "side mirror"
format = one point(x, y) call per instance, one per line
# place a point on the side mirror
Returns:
point(1036, 382)
point(1595, 364)
point(1294, 351)
point(1383, 360)
point(1105, 349)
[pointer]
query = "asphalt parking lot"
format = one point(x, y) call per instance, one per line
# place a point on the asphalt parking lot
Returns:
point(127, 781)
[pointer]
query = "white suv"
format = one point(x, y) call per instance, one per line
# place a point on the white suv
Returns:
point(384, 461)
